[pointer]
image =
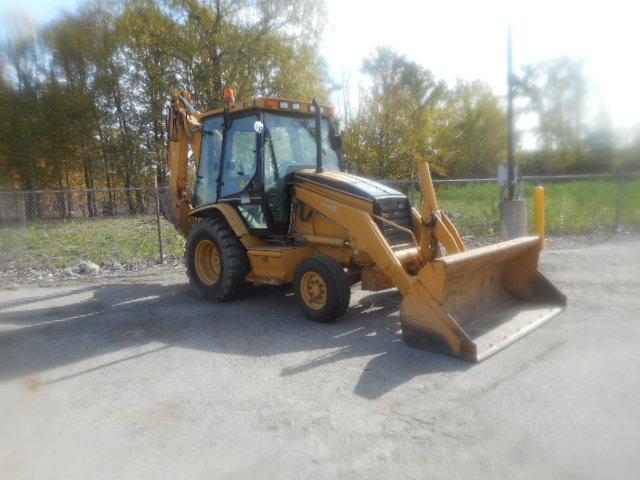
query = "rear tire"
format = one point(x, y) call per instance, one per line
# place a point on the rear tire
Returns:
point(217, 262)
point(322, 289)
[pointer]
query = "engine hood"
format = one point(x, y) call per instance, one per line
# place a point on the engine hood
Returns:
point(347, 183)
point(390, 206)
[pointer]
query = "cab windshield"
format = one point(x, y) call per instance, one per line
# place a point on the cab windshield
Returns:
point(294, 144)
point(290, 145)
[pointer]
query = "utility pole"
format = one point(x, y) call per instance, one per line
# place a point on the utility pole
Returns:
point(511, 161)
point(513, 209)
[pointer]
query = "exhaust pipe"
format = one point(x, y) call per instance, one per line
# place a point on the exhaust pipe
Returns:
point(318, 113)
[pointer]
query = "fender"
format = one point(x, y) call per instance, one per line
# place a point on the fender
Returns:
point(233, 219)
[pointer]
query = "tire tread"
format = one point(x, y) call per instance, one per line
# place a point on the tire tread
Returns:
point(338, 280)
point(234, 261)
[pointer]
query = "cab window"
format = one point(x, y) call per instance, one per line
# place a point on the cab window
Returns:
point(290, 145)
point(240, 156)
point(209, 167)
point(253, 216)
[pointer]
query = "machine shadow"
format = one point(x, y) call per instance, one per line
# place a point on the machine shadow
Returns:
point(107, 318)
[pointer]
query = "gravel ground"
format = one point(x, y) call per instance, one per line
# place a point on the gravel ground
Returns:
point(130, 376)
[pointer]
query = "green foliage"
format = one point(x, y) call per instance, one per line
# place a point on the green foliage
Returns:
point(390, 132)
point(83, 102)
point(87, 99)
point(472, 131)
point(407, 116)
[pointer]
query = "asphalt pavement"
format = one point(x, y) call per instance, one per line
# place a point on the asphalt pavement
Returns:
point(133, 377)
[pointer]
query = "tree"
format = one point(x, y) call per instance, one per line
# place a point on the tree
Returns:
point(471, 131)
point(630, 153)
point(21, 119)
point(599, 145)
point(407, 116)
point(391, 130)
point(84, 99)
point(555, 92)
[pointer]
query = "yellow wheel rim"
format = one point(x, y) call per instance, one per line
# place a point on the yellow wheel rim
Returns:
point(313, 290)
point(207, 260)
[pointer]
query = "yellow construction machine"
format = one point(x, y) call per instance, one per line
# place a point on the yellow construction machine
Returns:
point(271, 204)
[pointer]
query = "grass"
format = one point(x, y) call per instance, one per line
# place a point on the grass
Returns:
point(103, 241)
point(572, 207)
point(589, 205)
point(474, 208)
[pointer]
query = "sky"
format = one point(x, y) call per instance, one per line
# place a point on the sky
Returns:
point(467, 39)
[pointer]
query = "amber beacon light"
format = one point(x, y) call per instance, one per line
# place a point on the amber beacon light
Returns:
point(229, 95)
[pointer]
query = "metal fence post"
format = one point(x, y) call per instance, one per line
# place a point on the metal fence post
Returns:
point(23, 218)
point(158, 225)
point(619, 202)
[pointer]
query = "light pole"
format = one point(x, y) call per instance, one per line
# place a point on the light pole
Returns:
point(512, 208)
point(511, 161)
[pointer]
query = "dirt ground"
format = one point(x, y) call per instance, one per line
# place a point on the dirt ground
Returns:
point(132, 377)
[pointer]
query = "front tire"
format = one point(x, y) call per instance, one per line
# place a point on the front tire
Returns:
point(217, 262)
point(322, 289)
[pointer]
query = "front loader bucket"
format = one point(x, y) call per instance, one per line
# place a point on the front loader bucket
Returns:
point(474, 303)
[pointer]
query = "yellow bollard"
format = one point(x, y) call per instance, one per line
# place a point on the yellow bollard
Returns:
point(538, 195)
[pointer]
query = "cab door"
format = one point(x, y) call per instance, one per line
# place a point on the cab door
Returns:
point(240, 178)
point(206, 185)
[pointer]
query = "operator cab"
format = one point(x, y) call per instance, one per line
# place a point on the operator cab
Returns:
point(248, 157)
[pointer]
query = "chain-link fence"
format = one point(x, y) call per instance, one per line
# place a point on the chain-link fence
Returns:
point(576, 205)
point(115, 228)
point(118, 228)
point(25, 206)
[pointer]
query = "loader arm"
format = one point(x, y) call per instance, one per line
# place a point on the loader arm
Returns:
point(184, 134)
point(440, 226)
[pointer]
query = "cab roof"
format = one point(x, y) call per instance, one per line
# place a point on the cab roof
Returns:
point(273, 103)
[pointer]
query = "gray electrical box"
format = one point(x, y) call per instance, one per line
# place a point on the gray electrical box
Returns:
point(503, 174)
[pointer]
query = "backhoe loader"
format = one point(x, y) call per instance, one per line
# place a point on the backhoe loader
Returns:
point(272, 204)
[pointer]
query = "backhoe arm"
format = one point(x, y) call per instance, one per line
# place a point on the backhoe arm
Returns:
point(184, 133)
